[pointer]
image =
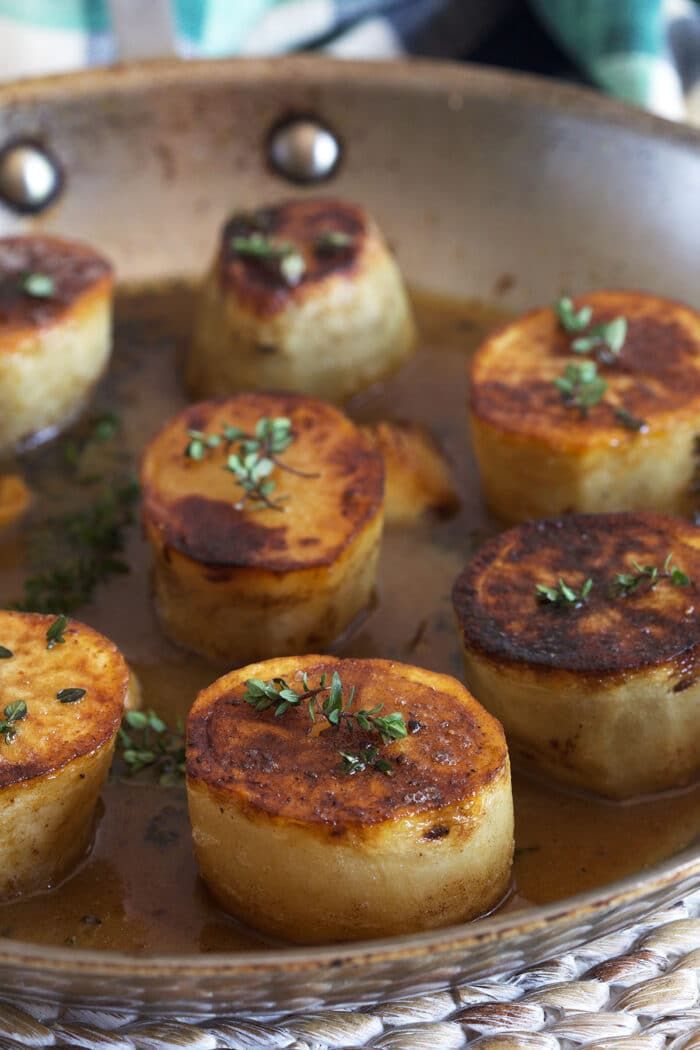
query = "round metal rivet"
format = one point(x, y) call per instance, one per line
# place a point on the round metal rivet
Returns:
point(303, 149)
point(30, 178)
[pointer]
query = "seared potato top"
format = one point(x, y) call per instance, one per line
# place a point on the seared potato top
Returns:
point(654, 377)
point(640, 609)
point(41, 278)
point(326, 235)
point(58, 725)
point(290, 767)
point(329, 483)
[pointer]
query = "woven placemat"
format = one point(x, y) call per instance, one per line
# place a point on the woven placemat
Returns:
point(636, 989)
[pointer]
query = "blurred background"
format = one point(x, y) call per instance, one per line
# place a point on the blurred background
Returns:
point(644, 51)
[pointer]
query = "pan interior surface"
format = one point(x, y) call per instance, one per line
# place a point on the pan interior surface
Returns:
point(511, 191)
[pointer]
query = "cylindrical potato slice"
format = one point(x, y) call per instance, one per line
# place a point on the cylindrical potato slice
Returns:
point(303, 295)
point(236, 579)
point(55, 333)
point(595, 675)
point(541, 452)
point(62, 693)
point(295, 845)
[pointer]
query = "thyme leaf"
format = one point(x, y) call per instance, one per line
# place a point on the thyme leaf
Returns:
point(14, 712)
point(55, 633)
point(562, 594)
point(71, 695)
point(571, 319)
point(38, 285)
point(5, 653)
point(331, 241)
point(630, 421)
point(284, 257)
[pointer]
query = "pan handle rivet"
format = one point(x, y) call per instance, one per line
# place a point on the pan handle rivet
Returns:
point(303, 149)
point(30, 178)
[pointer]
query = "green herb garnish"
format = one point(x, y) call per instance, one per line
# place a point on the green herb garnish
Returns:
point(331, 241)
point(627, 582)
point(368, 758)
point(335, 707)
point(146, 742)
point(283, 256)
point(580, 386)
point(5, 653)
point(606, 339)
point(76, 552)
point(70, 696)
point(55, 633)
point(562, 594)
point(571, 319)
point(38, 285)
point(199, 443)
point(14, 712)
point(255, 458)
point(631, 422)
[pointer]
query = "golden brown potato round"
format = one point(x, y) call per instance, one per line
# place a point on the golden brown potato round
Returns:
point(295, 846)
point(303, 295)
point(238, 581)
point(634, 450)
point(600, 690)
point(418, 477)
point(56, 747)
point(55, 333)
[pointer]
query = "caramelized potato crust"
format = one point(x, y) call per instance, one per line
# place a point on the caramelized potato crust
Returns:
point(271, 805)
point(601, 693)
point(53, 347)
point(237, 582)
point(341, 325)
point(52, 770)
point(538, 456)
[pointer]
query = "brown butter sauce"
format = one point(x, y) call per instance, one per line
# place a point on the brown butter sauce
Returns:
point(138, 889)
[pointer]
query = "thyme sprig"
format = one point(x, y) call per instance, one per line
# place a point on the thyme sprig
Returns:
point(335, 707)
point(627, 582)
point(562, 594)
point(282, 256)
point(14, 712)
point(254, 459)
point(580, 385)
point(146, 742)
point(75, 552)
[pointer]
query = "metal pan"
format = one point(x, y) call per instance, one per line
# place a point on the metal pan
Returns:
point(474, 175)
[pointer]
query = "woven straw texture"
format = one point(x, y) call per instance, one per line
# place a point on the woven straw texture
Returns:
point(637, 989)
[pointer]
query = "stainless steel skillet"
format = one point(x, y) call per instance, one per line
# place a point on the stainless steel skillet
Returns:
point(476, 176)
